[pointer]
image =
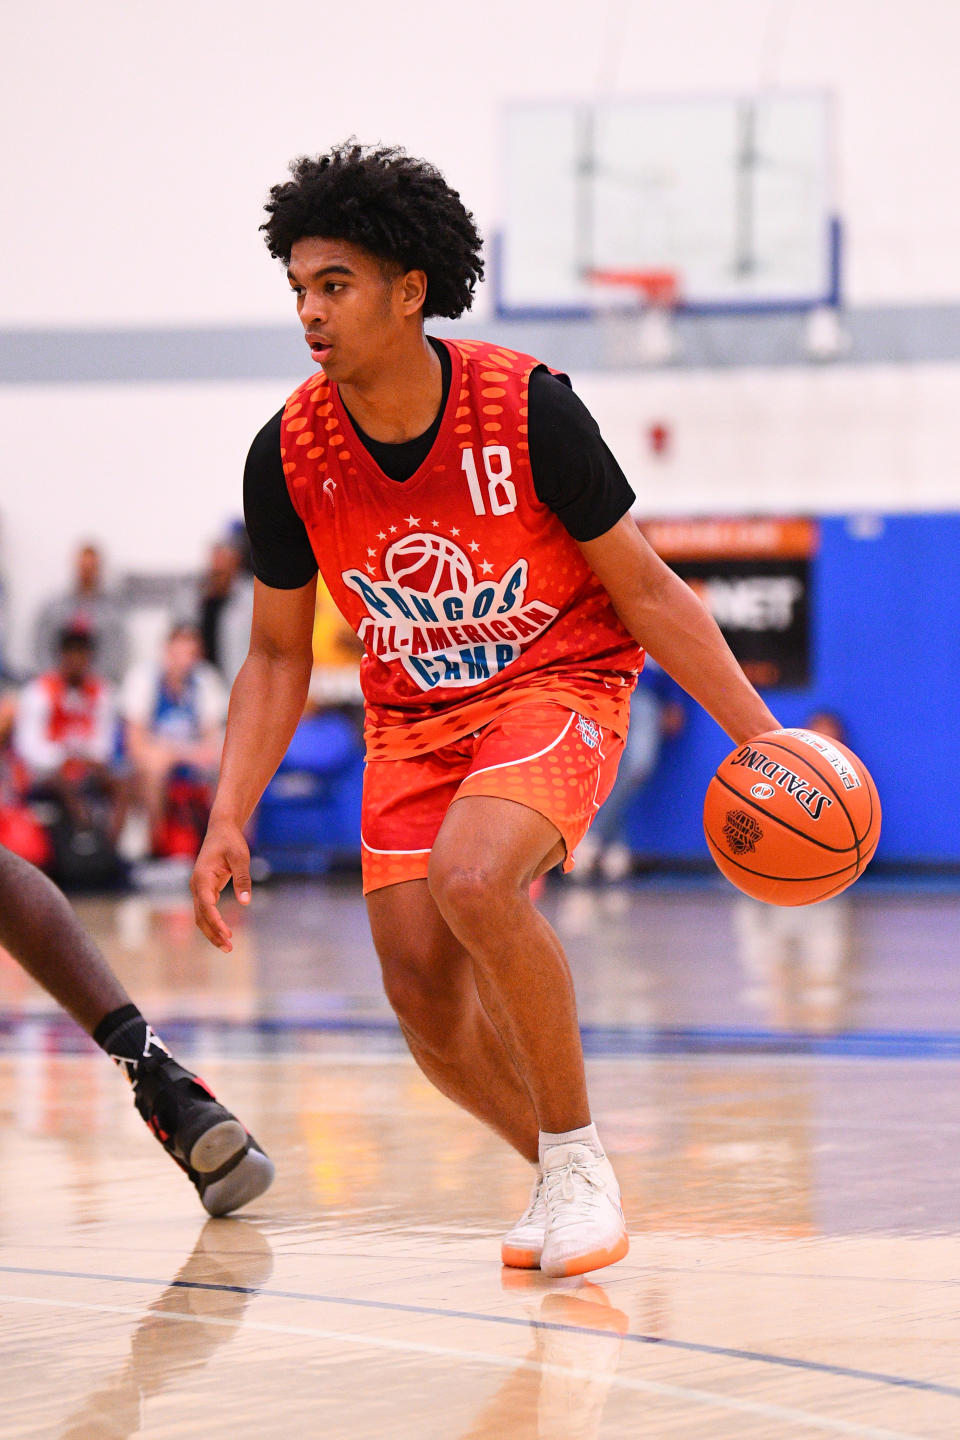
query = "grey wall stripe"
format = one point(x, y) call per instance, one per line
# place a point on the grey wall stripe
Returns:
point(878, 335)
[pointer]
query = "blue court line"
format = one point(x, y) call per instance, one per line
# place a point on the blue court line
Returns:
point(691, 1347)
point(737, 1040)
point(598, 1040)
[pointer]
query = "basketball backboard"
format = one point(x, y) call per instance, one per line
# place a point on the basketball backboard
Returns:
point(733, 195)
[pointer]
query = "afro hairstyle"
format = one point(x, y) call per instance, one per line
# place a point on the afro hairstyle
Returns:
point(397, 208)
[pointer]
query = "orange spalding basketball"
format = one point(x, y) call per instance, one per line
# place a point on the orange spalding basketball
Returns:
point(792, 817)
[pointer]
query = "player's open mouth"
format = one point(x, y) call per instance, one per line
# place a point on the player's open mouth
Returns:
point(319, 348)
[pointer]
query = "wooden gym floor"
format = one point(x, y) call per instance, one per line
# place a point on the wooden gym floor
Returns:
point(778, 1091)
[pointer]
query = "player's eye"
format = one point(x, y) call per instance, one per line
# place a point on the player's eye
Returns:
point(296, 289)
point(332, 286)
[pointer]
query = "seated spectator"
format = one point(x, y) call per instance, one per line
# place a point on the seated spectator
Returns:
point(65, 734)
point(174, 713)
point(88, 606)
point(225, 610)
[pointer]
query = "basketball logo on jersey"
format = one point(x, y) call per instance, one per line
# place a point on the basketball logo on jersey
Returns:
point(443, 624)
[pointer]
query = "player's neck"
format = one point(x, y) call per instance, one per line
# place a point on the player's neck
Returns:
point(401, 399)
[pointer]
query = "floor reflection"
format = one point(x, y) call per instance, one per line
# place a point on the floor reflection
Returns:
point(797, 963)
point(560, 1389)
point(230, 1260)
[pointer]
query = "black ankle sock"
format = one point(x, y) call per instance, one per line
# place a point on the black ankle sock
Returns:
point(128, 1039)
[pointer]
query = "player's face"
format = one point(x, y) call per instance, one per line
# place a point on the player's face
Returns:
point(183, 652)
point(75, 663)
point(88, 568)
point(352, 310)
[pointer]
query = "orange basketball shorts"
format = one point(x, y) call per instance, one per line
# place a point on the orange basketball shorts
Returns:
point(538, 753)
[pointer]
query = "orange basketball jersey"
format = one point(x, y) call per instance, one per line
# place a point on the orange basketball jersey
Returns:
point(466, 590)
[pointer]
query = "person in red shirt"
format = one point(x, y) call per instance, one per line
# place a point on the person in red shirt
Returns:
point(66, 719)
point(473, 528)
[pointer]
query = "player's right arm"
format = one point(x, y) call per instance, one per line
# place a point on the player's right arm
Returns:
point(266, 703)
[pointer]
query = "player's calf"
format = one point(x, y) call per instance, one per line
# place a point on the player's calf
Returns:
point(430, 1007)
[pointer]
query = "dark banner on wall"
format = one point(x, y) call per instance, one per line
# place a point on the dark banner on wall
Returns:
point(754, 577)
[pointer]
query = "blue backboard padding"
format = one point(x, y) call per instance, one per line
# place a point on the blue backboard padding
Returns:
point(886, 657)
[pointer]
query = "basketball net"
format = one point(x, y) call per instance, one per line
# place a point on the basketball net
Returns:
point(642, 332)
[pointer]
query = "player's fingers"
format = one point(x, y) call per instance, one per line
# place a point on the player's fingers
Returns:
point(239, 861)
point(211, 924)
point(206, 893)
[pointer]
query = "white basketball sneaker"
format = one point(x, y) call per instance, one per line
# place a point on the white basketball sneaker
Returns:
point(521, 1246)
point(585, 1224)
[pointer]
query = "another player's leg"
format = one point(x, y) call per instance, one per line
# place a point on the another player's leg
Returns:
point(42, 933)
point(485, 857)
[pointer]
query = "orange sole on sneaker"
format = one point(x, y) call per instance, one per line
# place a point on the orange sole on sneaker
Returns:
point(520, 1259)
point(593, 1260)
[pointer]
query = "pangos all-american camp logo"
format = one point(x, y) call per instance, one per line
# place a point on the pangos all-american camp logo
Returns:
point(434, 615)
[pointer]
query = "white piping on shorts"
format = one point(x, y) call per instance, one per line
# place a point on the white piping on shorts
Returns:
point(374, 851)
point(596, 791)
point(504, 764)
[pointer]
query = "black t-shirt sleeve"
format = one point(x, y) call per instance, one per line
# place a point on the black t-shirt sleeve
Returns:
point(573, 471)
point(280, 548)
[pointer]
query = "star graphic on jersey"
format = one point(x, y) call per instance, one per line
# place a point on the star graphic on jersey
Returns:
point(435, 524)
point(413, 520)
point(381, 534)
point(370, 552)
point(486, 568)
point(370, 569)
point(474, 546)
point(454, 531)
point(393, 529)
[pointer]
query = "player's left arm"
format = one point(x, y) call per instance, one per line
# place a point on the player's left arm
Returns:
point(666, 618)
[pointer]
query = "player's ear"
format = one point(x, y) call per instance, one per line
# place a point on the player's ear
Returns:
point(413, 291)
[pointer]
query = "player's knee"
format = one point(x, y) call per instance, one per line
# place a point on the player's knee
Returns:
point(467, 895)
point(419, 998)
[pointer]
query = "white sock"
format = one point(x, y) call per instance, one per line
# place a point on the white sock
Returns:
point(586, 1135)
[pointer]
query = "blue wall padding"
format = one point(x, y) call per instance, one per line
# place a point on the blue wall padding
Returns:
point(886, 657)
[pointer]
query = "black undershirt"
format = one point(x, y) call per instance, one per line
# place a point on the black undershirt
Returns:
point(573, 473)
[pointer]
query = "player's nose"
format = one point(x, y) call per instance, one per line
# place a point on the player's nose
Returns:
point(312, 310)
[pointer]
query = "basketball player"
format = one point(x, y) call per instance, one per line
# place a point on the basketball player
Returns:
point(42, 933)
point(472, 527)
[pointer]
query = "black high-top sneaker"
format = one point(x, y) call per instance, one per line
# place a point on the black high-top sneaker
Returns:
point(219, 1155)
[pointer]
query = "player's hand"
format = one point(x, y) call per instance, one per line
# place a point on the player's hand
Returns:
point(223, 856)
